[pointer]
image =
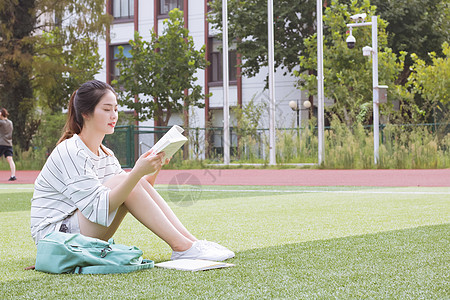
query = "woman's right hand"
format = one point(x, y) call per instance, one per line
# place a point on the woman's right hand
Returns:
point(149, 163)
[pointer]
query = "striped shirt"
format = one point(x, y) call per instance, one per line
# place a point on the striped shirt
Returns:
point(71, 179)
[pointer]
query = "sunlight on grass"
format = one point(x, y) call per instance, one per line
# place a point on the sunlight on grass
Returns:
point(290, 242)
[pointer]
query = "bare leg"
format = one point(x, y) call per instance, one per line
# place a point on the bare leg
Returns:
point(12, 165)
point(141, 205)
point(167, 210)
point(95, 230)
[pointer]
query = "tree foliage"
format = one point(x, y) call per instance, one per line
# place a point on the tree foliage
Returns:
point(432, 82)
point(160, 70)
point(347, 73)
point(67, 50)
point(47, 49)
point(247, 19)
point(17, 19)
point(247, 120)
point(415, 26)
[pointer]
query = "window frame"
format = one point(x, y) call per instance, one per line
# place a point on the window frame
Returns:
point(180, 6)
point(121, 18)
point(217, 71)
point(113, 60)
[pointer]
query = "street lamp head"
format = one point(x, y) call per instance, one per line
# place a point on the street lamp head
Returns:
point(307, 104)
point(293, 105)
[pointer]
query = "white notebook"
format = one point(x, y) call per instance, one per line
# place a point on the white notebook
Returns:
point(193, 264)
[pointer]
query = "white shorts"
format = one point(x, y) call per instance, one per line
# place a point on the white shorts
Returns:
point(70, 224)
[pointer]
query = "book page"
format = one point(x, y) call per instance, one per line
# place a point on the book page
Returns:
point(171, 141)
point(193, 264)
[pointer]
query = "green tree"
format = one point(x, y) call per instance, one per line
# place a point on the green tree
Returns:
point(347, 73)
point(160, 71)
point(293, 22)
point(17, 23)
point(415, 26)
point(67, 50)
point(432, 82)
point(47, 49)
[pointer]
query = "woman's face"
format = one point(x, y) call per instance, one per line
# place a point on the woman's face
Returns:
point(105, 115)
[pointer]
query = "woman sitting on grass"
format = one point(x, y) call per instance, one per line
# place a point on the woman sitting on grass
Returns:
point(82, 188)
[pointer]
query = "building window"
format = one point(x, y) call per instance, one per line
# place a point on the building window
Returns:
point(123, 9)
point(167, 5)
point(215, 59)
point(115, 71)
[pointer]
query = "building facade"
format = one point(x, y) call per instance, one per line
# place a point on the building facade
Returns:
point(145, 15)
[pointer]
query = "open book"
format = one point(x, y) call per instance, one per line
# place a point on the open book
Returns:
point(171, 141)
point(193, 264)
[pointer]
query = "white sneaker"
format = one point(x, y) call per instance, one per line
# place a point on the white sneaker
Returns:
point(202, 250)
point(219, 247)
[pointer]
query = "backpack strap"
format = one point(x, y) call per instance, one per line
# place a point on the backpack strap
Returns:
point(109, 269)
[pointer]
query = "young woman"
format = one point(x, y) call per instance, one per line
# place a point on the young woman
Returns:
point(82, 188)
point(6, 149)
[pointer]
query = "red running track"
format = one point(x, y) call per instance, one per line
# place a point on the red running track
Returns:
point(287, 177)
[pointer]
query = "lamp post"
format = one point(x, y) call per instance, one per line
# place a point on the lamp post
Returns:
point(377, 90)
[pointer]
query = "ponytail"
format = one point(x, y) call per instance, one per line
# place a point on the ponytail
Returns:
point(72, 125)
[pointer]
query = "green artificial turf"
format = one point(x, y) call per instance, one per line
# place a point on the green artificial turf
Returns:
point(290, 242)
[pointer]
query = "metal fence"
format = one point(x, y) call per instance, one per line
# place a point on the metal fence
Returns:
point(129, 142)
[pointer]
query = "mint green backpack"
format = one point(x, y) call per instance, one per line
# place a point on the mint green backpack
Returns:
point(60, 252)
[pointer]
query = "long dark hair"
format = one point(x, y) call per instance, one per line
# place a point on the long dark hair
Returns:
point(83, 102)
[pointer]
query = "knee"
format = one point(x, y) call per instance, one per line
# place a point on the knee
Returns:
point(141, 185)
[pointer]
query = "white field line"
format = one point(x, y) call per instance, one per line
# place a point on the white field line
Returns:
point(310, 191)
point(280, 191)
point(15, 188)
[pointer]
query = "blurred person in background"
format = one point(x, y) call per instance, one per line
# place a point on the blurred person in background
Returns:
point(6, 149)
